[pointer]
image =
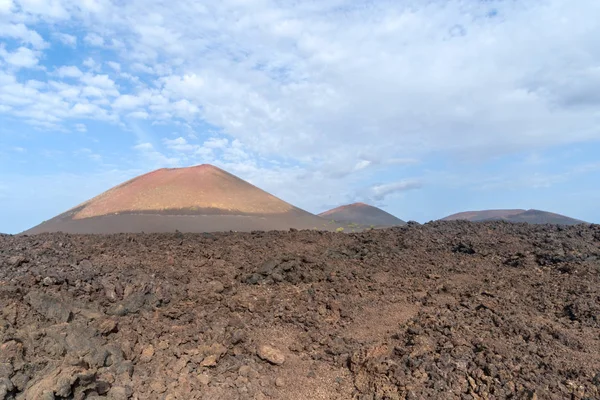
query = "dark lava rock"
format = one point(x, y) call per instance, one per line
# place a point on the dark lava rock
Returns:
point(445, 310)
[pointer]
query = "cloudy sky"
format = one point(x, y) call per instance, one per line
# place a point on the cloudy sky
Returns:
point(422, 107)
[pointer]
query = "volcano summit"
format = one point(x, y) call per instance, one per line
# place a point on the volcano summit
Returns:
point(203, 198)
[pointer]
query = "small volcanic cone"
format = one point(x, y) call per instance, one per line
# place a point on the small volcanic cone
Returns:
point(362, 214)
point(203, 198)
point(528, 216)
point(482, 215)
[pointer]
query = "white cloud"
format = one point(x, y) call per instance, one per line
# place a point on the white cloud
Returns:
point(362, 165)
point(92, 6)
point(127, 102)
point(279, 75)
point(92, 91)
point(117, 45)
point(100, 81)
point(98, 86)
point(139, 115)
point(91, 63)
point(94, 39)
point(51, 9)
point(49, 104)
point(81, 128)
point(69, 72)
point(380, 192)
point(129, 77)
point(67, 39)
point(189, 86)
point(155, 158)
point(139, 67)
point(21, 58)
point(184, 109)
point(284, 73)
point(89, 110)
point(22, 33)
point(216, 143)
point(64, 90)
point(114, 65)
point(180, 144)
point(144, 147)
point(82, 109)
point(6, 6)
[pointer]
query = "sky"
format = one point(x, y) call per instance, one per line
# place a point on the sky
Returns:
point(421, 107)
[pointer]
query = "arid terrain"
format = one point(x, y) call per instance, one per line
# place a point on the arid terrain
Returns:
point(446, 310)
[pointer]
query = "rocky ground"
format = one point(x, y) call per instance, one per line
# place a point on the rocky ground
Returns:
point(446, 310)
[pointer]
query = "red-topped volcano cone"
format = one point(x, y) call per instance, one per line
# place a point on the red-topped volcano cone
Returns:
point(194, 199)
point(204, 189)
point(362, 214)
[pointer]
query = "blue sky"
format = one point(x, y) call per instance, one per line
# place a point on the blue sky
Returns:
point(422, 108)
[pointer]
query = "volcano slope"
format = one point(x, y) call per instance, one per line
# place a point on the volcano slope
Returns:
point(203, 198)
point(446, 310)
point(528, 216)
point(363, 215)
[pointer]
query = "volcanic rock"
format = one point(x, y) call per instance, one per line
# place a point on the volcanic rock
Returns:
point(271, 354)
point(444, 310)
point(147, 353)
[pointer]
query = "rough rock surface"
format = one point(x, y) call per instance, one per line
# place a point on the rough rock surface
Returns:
point(446, 310)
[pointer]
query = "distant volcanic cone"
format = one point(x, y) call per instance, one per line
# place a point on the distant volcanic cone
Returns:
point(362, 214)
point(195, 199)
point(528, 216)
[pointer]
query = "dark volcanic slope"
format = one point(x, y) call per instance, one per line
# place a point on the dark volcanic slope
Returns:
point(157, 223)
point(362, 214)
point(528, 216)
point(196, 199)
point(446, 310)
